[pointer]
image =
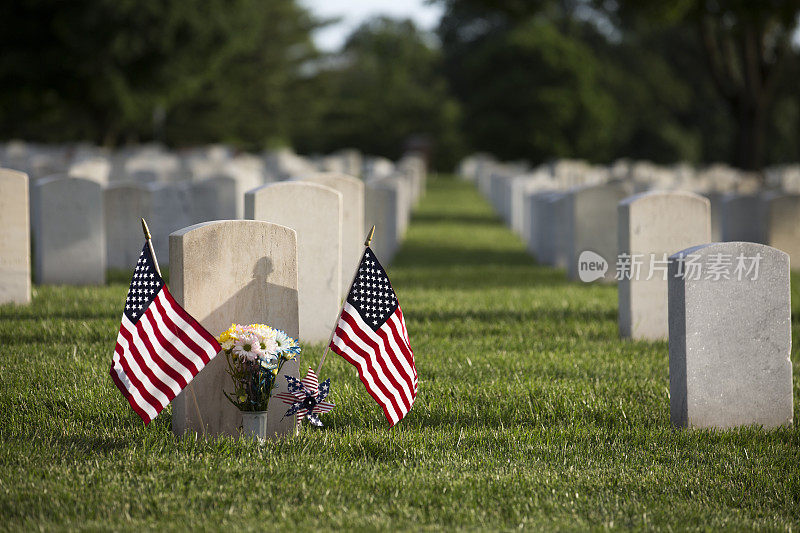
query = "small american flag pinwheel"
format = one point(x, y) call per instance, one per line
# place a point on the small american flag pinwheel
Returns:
point(306, 398)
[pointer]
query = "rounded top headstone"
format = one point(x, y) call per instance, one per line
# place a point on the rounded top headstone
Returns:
point(656, 195)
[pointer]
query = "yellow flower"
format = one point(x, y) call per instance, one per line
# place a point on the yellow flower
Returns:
point(263, 330)
point(227, 334)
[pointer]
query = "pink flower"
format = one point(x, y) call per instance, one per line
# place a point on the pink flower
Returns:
point(248, 347)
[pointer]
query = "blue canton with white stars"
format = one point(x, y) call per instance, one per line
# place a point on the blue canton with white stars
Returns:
point(144, 286)
point(372, 294)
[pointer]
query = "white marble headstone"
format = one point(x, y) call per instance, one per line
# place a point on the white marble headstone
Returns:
point(15, 253)
point(781, 224)
point(730, 337)
point(740, 218)
point(69, 232)
point(315, 213)
point(352, 190)
point(224, 272)
point(214, 198)
point(592, 224)
point(652, 227)
point(125, 205)
point(170, 209)
point(382, 207)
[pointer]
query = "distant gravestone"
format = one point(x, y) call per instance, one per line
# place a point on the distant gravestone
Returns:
point(315, 213)
point(246, 171)
point(531, 214)
point(214, 199)
point(170, 209)
point(414, 166)
point(151, 160)
point(382, 205)
point(549, 228)
point(653, 226)
point(15, 253)
point(143, 177)
point(352, 190)
point(716, 214)
point(521, 188)
point(69, 232)
point(592, 224)
point(730, 336)
point(404, 202)
point(377, 168)
point(740, 218)
point(333, 163)
point(224, 272)
point(534, 220)
point(125, 204)
point(94, 168)
point(781, 224)
point(500, 194)
point(353, 161)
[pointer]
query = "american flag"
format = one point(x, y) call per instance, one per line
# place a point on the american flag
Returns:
point(160, 347)
point(371, 335)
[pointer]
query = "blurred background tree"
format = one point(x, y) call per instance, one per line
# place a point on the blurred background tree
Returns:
point(745, 49)
point(693, 80)
point(529, 89)
point(181, 71)
point(700, 80)
point(386, 89)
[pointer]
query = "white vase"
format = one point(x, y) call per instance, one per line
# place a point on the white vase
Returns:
point(254, 425)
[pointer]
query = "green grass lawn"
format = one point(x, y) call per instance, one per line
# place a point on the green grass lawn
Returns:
point(532, 413)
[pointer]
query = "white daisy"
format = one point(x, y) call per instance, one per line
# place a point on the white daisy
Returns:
point(269, 346)
point(284, 341)
point(247, 347)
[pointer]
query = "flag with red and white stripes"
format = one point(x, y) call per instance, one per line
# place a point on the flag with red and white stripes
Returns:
point(371, 335)
point(160, 347)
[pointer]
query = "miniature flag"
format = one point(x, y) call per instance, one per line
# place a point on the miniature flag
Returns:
point(160, 347)
point(371, 335)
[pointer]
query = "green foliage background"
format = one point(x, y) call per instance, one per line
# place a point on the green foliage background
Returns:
point(524, 80)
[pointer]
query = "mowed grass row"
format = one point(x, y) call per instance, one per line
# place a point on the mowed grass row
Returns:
point(531, 413)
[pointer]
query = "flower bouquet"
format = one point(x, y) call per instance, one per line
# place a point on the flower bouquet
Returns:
point(255, 354)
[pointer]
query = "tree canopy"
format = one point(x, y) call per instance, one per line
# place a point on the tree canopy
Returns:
point(701, 80)
point(385, 90)
point(694, 80)
point(114, 70)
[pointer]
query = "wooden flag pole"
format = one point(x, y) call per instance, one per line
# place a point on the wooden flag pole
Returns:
point(148, 238)
point(349, 288)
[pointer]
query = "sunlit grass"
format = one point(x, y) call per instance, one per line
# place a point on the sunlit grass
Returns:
point(531, 413)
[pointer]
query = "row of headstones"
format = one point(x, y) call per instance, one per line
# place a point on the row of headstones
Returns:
point(559, 225)
point(738, 214)
point(154, 163)
point(643, 175)
point(62, 206)
point(77, 225)
point(189, 186)
point(724, 306)
point(560, 214)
